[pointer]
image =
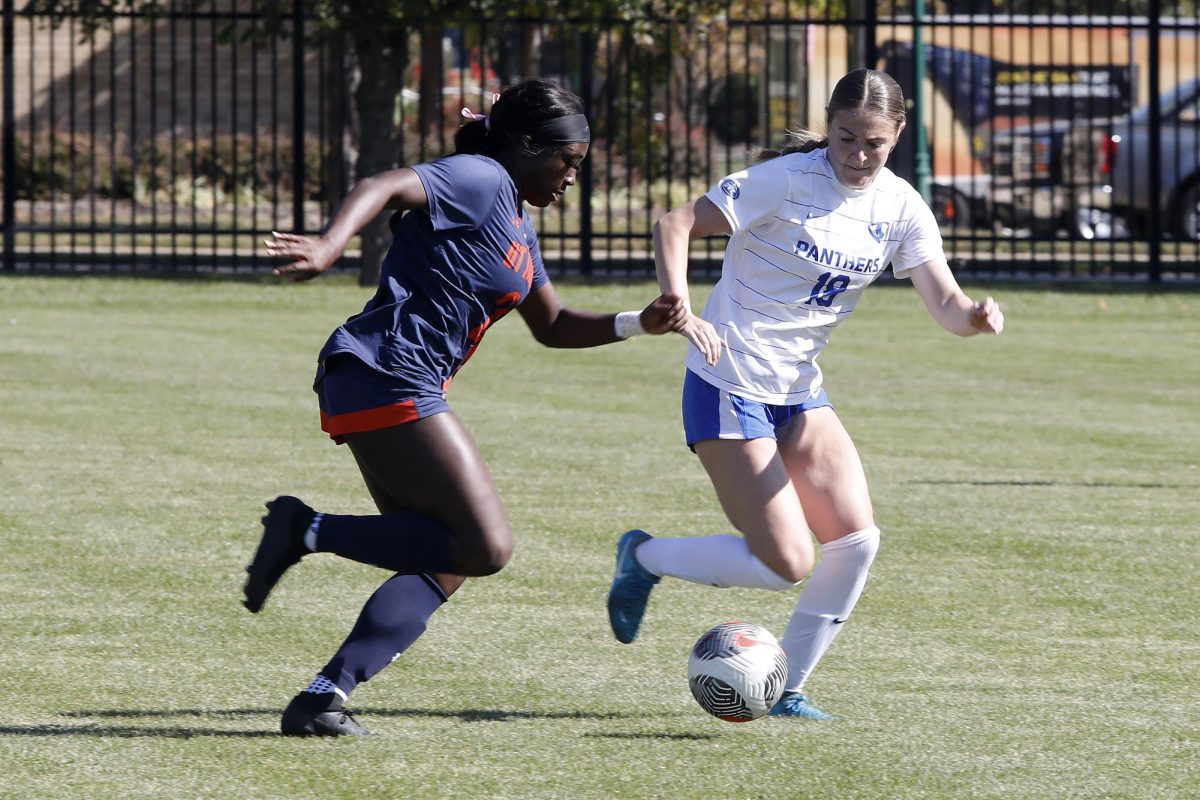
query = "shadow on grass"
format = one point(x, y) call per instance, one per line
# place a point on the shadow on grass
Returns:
point(1072, 484)
point(681, 737)
point(99, 729)
point(189, 732)
point(464, 714)
point(488, 714)
point(131, 732)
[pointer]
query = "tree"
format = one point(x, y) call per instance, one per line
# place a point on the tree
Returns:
point(378, 32)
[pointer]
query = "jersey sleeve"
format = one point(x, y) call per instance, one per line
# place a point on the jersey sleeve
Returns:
point(921, 240)
point(750, 196)
point(461, 190)
point(535, 254)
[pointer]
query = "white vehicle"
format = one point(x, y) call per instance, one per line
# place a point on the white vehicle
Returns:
point(1111, 164)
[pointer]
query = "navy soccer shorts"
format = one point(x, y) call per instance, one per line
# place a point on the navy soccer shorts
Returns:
point(355, 398)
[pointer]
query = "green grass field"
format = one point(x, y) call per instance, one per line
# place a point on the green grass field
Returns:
point(1030, 629)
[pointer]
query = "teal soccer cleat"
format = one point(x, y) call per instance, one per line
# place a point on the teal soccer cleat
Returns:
point(795, 704)
point(630, 589)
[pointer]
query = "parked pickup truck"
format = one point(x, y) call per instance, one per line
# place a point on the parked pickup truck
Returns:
point(1038, 190)
point(1109, 165)
point(1028, 186)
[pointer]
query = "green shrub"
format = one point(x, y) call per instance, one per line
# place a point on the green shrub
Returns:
point(62, 165)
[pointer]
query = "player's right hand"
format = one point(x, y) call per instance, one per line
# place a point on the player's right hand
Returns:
point(309, 257)
point(703, 337)
point(667, 313)
point(986, 316)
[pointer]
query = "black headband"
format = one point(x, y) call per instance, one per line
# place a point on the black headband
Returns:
point(560, 130)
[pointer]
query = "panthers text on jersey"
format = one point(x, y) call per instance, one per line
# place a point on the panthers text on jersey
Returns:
point(803, 249)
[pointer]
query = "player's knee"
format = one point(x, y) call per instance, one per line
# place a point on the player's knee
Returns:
point(794, 568)
point(494, 557)
point(772, 580)
point(790, 564)
point(488, 552)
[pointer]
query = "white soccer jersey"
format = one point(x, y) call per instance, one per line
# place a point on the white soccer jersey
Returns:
point(803, 249)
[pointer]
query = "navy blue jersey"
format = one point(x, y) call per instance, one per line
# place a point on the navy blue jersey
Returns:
point(450, 273)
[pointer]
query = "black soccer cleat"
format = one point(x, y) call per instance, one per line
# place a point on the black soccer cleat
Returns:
point(312, 715)
point(282, 545)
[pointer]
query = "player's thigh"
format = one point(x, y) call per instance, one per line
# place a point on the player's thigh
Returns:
point(823, 465)
point(756, 493)
point(433, 467)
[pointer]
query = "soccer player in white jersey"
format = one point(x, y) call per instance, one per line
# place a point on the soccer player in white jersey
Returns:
point(809, 230)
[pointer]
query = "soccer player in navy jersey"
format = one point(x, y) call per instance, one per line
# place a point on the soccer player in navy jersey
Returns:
point(809, 231)
point(464, 254)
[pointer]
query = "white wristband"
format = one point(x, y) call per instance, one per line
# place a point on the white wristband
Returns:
point(628, 323)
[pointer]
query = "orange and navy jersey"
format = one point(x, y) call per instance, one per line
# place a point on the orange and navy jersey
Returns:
point(452, 271)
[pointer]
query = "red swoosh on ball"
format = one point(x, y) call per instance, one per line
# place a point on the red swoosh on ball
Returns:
point(744, 639)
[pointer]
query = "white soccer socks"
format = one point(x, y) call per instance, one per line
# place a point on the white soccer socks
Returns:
point(722, 561)
point(829, 596)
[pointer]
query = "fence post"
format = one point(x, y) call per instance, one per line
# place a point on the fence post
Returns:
point(870, 35)
point(298, 118)
point(585, 173)
point(9, 143)
point(921, 148)
point(1154, 221)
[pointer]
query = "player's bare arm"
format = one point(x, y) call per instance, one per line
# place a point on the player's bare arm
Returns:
point(556, 325)
point(397, 189)
point(952, 309)
point(673, 233)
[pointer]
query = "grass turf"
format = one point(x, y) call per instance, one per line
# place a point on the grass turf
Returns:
point(1029, 630)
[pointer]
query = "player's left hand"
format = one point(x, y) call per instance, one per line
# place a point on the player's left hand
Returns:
point(987, 317)
point(666, 314)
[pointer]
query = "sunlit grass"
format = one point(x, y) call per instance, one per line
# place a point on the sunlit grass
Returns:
point(1028, 632)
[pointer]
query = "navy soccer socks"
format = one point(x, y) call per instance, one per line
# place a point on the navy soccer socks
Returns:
point(393, 618)
point(404, 541)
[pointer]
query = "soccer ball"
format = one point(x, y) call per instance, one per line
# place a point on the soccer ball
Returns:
point(737, 671)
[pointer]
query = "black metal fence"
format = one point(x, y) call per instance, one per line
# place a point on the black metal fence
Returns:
point(167, 142)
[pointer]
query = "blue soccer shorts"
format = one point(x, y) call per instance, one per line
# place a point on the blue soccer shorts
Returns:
point(712, 413)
